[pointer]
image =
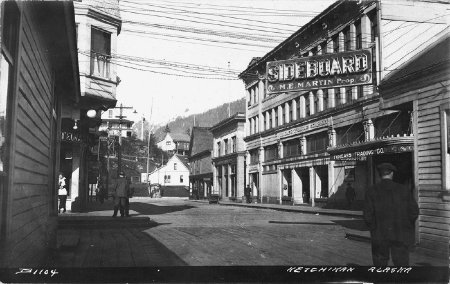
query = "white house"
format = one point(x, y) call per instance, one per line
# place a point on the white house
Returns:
point(174, 173)
point(112, 122)
point(177, 143)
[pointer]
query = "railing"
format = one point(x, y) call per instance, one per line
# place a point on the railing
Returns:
point(100, 65)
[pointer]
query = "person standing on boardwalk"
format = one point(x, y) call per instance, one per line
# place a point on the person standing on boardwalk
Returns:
point(390, 212)
point(120, 194)
point(350, 194)
point(62, 193)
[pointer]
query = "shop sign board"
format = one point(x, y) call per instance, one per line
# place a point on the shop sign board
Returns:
point(322, 71)
point(362, 155)
point(303, 128)
point(70, 137)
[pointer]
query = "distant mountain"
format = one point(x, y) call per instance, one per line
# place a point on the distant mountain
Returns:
point(205, 119)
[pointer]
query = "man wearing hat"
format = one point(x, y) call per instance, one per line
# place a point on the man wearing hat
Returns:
point(390, 212)
point(121, 196)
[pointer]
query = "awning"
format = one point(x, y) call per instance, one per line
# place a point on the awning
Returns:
point(360, 151)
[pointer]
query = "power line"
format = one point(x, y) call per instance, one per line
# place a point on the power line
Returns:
point(198, 43)
point(241, 8)
point(220, 23)
point(219, 33)
point(171, 63)
point(201, 13)
point(198, 38)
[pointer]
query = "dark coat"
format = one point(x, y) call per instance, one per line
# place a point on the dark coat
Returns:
point(390, 212)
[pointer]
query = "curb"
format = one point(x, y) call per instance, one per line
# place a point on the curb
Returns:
point(287, 209)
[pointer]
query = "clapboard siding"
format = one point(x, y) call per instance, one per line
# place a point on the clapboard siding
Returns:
point(35, 47)
point(434, 216)
point(427, 94)
point(33, 146)
point(437, 232)
point(433, 219)
point(438, 213)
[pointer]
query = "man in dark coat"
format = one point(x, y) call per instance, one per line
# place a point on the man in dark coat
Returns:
point(390, 212)
point(247, 192)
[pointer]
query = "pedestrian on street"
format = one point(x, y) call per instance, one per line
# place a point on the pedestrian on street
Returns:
point(62, 193)
point(390, 211)
point(247, 193)
point(120, 195)
point(350, 194)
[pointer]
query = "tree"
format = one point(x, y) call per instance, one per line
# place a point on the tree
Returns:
point(167, 129)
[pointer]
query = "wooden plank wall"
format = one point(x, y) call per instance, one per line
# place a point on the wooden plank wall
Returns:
point(434, 219)
point(32, 151)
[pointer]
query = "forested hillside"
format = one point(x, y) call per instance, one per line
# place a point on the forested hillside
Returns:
point(205, 119)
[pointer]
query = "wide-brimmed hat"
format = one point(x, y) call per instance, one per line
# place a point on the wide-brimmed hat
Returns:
point(387, 166)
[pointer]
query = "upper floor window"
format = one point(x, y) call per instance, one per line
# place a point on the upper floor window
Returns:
point(337, 96)
point(270, 153)
point(110, 113)
point(290, 111)
point(254, 156)
point(348, 94)
point(218, 149)
point(291, 148)
point(168, 143)
point(100, 53)
point(270, 119)
point(317, 142)
point(373, 25)
point(347, 39)
point(181, 179)
point(323, 47)
point(350, 134)
point(265, 121)
point(175, 166)
point(336, 44)
point(225, 144)
point(276, 117)
point(359, 38)
point(233, 144)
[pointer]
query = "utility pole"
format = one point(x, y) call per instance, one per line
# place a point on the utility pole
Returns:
point(119, 150)
point(148, 142)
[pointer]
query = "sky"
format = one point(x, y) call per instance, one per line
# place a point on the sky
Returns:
point(184, 56)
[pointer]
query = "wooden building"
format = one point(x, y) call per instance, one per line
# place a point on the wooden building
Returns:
point(201, 173)
point(313, 122)
point(98, 25)
point(423, 85)
point(229, 158)
point(38, 74)
point(175, 143)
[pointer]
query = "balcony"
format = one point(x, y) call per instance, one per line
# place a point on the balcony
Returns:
point(100, 65)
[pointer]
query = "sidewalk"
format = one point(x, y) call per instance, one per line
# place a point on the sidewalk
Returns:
point(95, 239)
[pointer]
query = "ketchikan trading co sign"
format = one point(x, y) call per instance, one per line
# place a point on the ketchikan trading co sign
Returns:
point(322, 71)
